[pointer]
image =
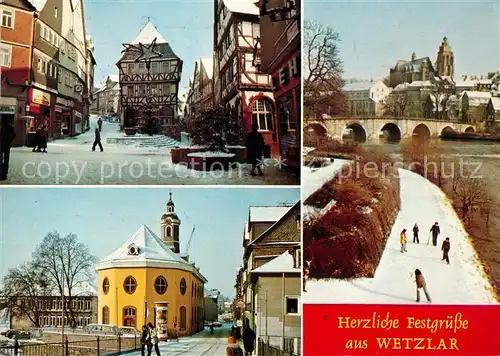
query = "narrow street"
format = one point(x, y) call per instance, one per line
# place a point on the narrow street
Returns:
point(71, 161)
point(203, 343)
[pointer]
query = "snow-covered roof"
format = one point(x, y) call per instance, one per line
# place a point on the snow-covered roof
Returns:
point(496, 103)
point(466, 83)
point(358, 86)
point(478, 97)
point(242, 6)
point(421, 83)
point(38, 4)
point(148, 34)
point(208, 64)
point(486, 81)
point(267, 213)
point(146, 249)
point(281, 264)
point(114, 77)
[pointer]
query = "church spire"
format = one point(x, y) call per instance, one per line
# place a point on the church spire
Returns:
point(170, 226)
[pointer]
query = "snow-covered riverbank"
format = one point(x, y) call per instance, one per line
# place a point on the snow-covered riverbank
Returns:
point(461, 282)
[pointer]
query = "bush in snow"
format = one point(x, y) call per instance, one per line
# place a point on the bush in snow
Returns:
point(348, 240)
point(215, 128)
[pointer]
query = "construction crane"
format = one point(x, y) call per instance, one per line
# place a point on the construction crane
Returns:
point(189, 241)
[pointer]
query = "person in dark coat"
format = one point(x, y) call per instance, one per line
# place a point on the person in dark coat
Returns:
point(421, 284)
point(144, 340)
point(7, 135)
point(42, 139)
point(97, 140)
point(446, 248)
point(435, 233)
point(415, 234)
point(255, 147)
point(37, 139)
point(248, 338)
point(99, 123)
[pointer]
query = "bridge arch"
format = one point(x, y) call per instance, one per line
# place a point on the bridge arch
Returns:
point(469, 129)
point(421, 131)
point(317, 128)
point(390, 133)
point(358, 132)
point(447, 129)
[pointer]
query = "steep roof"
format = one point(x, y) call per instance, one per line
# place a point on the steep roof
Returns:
point(208, 64)
point(267, 213)
point(281, 264)
point(496, 103)
point(242, 6)
point(478, 97)
point(358, 86)
point(38, 4)
point(148, 34)
point(150, 251)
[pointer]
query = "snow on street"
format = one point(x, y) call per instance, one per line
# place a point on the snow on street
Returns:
point(70, 161)
point(201, 344)
point(461, 282)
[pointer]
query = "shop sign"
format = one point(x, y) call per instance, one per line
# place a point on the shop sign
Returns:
point(40, 97)
point(64, 102)
point(7, 109)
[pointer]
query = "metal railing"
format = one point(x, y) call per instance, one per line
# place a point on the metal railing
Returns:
point(97, 346)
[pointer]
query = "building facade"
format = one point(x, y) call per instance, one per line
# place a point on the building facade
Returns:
point(473, 107)
point(145, 280)
point(107, 97)
point(17, 19)
point(366, 99)
point(200, 94)
point(154, 91)
point(239, 84)
point(279, 56)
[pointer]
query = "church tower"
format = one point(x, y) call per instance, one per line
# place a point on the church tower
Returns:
point(170, 227)
point(445, 60)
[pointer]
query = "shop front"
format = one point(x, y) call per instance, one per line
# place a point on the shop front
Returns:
point(41, 108)
point(64, 117)
point(8, 110)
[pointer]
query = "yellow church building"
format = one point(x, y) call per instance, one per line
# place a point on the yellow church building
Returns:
point(146, 280)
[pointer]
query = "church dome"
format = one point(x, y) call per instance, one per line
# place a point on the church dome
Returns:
point(171, 215)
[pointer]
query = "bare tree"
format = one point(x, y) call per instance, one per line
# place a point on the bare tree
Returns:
point(323, 71)
point(23, 289)
point(67, 264)
point(440, 94)
point(471, 192)
point(396, 104)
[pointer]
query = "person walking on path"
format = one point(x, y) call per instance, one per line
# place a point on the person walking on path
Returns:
point(446, 248)
point(97, 140)
point(99, 123)
point(435, 233)
point(255, 149)
point(37, 139)
point(248, 338)
point(415, 234)
point(421, 284)
point(153, 340)
point(402, 239)
point(144, 340)
point(7, 135)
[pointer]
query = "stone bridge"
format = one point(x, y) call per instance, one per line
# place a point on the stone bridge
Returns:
point(392, 130)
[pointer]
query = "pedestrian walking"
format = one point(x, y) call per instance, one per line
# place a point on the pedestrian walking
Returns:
point(153, 340)
point(97, 140)
point(435, 231)
point(37, 139)
point(248, 338)
point(233, 349)
point(402, 240)
point(144, 340)
point(421, 284)
point(255, 149)
point(7, 135)
point(43, 138)
point(415, 234)
point(99, 123)
point(446, 248)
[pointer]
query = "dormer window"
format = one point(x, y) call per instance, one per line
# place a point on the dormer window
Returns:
point(133, 250)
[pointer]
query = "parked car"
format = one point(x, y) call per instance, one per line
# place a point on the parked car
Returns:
point(11, 333)
point(24, 335)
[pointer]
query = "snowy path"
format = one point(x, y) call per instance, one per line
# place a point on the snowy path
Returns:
point(461, 282)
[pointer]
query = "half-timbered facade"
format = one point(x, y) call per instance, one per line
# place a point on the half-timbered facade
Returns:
point(16, 39)
point(200, 94)
point(238, 83)
point(155, 89)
